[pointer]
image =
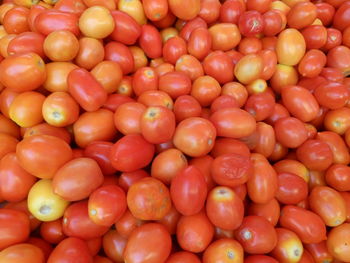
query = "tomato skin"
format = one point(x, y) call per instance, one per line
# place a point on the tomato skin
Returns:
point(231, 10)
point(301, 15)
point(53, 20)
point(175, 84)
point(262, 185)
point(127, 117)
point(150, 41)
point(42, 155)
point(77, 223)
point(148, 199)
point(315, 36)
point(113, 245)
point(15, 182)
point(290, 47)
point(337, 242)
point(292, 189)
point(194, 233)
point(260, 105)
point(256, 235)
point(332, 95)
point(27, 68)
point(259, 259)
point(131, 152)
point(290, 132)
point(20, 44)
point(14, 227)
point(15, 20)
point(319, 251)
point(289, 247)
point(156, 98)
point(249, 68)
point(86, 90)
point(71, 250)
point(270, 211)
point(188, 202)
point(174, 48)
point(99, 151)
point(185, 10)
point(144, 79)
point(183, 257)
point(306, 224)
point(148, 243)
point(219, 66)
point(121, 54)
point(251, 23)
point(186, 106)
point(52, 231)
point(337, 176)
point(341, 20)
point(273, 23)
point(337, 57)
point(22, 253)
point(312, 63)
point(225, 36)
point(126, 30)
point(223, 250)
point(199, 43)
point(333, 211)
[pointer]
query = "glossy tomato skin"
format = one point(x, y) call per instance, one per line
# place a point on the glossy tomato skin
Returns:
point(113, 245)
point(188, 202)
point(148, 243)
point(183, 257)
point(27, 42)
point(174, 48)
point(52, 231)
point(251, 23)
point(219, 66)
point(223, 250)
point(14, 227)
point(121, 54)
point(194, 233)
point(307, 225)
point(131, 152)
point(337, 176)
point(77, 223)
point(292, 189)
point(71, 250)
point(256, 235)
point(199, 43)
point(86, 90)
point(319, 251)
point(337, 242)
point(337, 145)
point(148, 199)
point(290, 47)
point(289, 247)
point(22, 253)
point(301, 15)
point(150, 41)
point(270, 211)
point(290, 132)
point(126, 30)
point(259, 259)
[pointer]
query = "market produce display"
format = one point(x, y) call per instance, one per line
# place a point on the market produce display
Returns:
point(174, 131)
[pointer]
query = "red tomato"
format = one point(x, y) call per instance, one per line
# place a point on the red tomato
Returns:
point(148, 243)
point(292, 189)
point(194, 233)
point(260, 105)
point(337, 176)
point(175, 84)
point(231, 10)
point(273, 22)
point(319, 251)
point(315, 36)
point(77, 223)
point(52, 231)
point(338, 242)
point(332, 95)
point(150, 41)
point(126, 30)
point(338, 147)
point(107, 204)
point(27, 42)
point(144, 79)
point(223, 250)
point(290, 132)
point(22, 253)
point(270, 210)
point(114, 245)
point(100, 151)
point(15, 20)
point(219, 66)
point(121, 54)
point(301, 14)
point(199, 43)
point(259, 259)
point(71, 250)
point(173, 49)
point(312, 63)
point(131, 152)
point(251, 23)
point(127, 223)
point(125, 180)
point(183, 257)
point(210, 10)
point(325, 12)
point(14, 227)
point(71, 6)
point(338, 57)
point(256, 235)
point(334, 39)
point(148, 199)
point(289, 247)
point(170, 220)
point(341, 19)
point(188, 202)
point(306, 224)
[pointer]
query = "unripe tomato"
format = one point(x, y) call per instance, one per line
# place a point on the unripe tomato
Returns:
point(290, 47)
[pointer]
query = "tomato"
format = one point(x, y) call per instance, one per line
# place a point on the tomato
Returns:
point(319, 251)
point(260, 105)
point(289, 247)
point(306, 224)
point(15, 20)
point(186, 106)
point(236, 90)
point(8, 144)
point(273, 22)
point(127, 117)
point(131, 152)
point(22, 72)
point(22, 253)
point(262, 184)
point(225, 36)
point(185, 10)
point(199, 43)
point(150, 243)
point(57, 73)
point(346, 197)
point(53, 20)
point(334, 39)
point(341, 20)
point(8, 126)
point(312, 63)
point(188, 202)
point(337, 145)
point(230, 11)
point(249, 68)
point(60, 109)
point(290, 132)
point(251, 23)
point(114, 245)
point(150, 41)
point(27, 42)
point(315, 155)
point(189, 65)
point(156, 98)
point(331, 95)
point(127, 223)
point(91, 52)
point(283, 76)
point(15, 182)
point(224, 208)
point(250, 45)
point(315, 36)
point(292, 189)
point(205, 90)
point(259, 259)
point(121, 54)
point(337, 57)
point(108, 74)
point(219, 66)
point(337, 177)
point(175, 84)
point(210, 10)
point(194, 233)
point(269, 210)
point(69, 6)
point(43, 203)
point(90, 97)
point(292, 166)
point(42, 155)
point(302, 14)
point(256, 235)
point(88, 176)
point(71, 250)
point(223, 250)
point(337, 120)
point(183, 257)
point(174, 48)
point(52, 231)
point(338, 242)
point(47, 129)
point(14, 227)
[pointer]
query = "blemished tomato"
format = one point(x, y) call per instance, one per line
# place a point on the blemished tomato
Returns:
point(15, 182)
point(43, 203)
point(194, 233)
point(223, 250)
point(131, 152)
point(306, 224)
point(52, 231)
point(256, 235)
point(289, 247)
point(224, 208)
point(14, 227)
point(148, 243)
point(22, 253)
point(183, 257)
point(269, 210)
point(338, 242)
point(42, 155)
point(87, 177)
point(251, 23)
point(71, 249)
point(292, 189)
point(188, 202)
point(148, 199)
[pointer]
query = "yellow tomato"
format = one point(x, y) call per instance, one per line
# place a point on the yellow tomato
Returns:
point(26, 3)
point(134, 9)
point(249, 68)
point(140, 59)
point(43, 203)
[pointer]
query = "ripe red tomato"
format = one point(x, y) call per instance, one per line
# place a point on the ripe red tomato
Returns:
point(289, 247)
point(183, 257)
point(114, 245)
point(259, 259)
point(218, 65)
point(319, 251)
point(22, 253)
point(292, 189)
point(251, 23)
point(270, 211)
point(301, 14)
point(52, 231)
point(338, 242)
point(223, 250)
point(148, 243)
point(256, 235)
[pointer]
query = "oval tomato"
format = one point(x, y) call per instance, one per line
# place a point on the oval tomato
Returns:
point(22, 253)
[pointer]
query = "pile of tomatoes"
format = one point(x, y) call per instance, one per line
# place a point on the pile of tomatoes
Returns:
point(174, 131)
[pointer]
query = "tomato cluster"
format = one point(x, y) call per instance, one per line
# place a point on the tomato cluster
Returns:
point(174, 131)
